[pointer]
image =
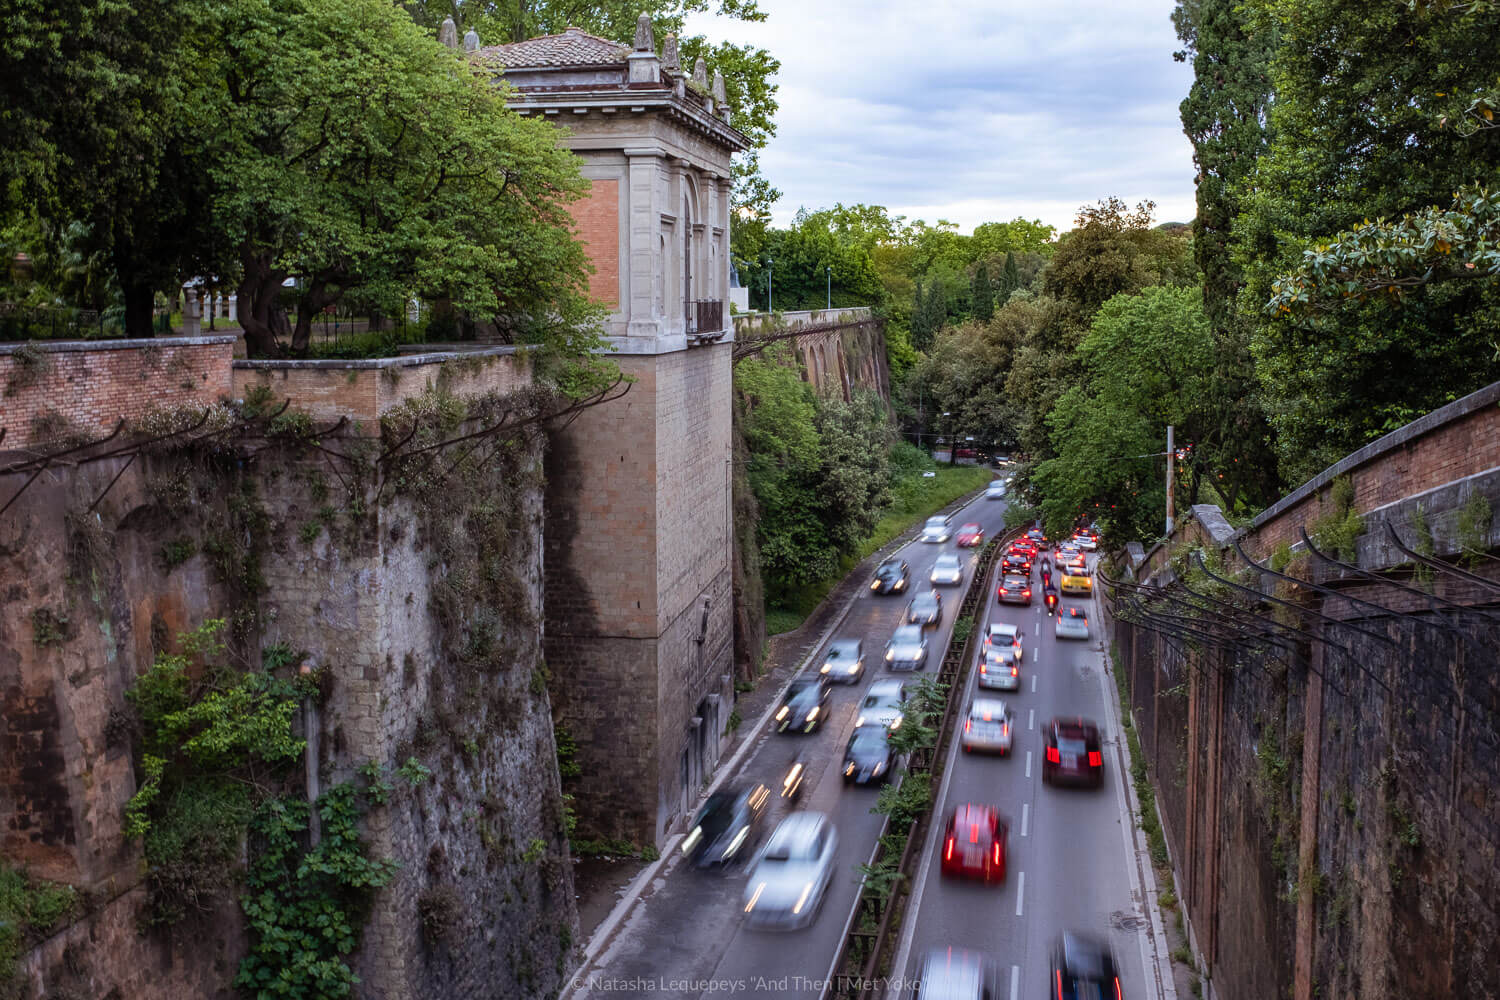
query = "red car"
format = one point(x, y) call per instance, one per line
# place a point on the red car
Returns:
point(970, 535)
point(974, 846)
point(1074, 755)
point(1014, 589)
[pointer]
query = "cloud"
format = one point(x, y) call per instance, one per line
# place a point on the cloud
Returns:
point(974, 110)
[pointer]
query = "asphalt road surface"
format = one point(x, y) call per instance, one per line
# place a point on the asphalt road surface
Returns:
point(1068, 862)
point(684, 937)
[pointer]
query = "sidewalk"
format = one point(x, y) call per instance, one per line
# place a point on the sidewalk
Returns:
point(601, 883)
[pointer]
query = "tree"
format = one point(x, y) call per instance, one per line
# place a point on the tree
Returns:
point(991, 239)
point(1010, 278)
point(1114, 250)
point(981, 295)
point(356, 152)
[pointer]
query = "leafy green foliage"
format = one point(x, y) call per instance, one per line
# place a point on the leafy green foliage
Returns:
point(305, 906)
point(29, 908)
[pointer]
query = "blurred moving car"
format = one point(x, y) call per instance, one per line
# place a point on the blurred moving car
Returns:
point(804, 706)
point(969, 535)
point(925, 609)
point(1077, 562)
point(791, 875)
point(795, 777)
point(974, 844)
point(1016, 562)
point(1014, 589)
point(844, 661)
point(1083, 968)
point(1002, 634)
point(936, 529)
point(890, 576)
point(907, 649)
point(1073, 753)
point(1087, 540)
point(947, 569)
point(868, 757)
point(1076, 584)
point(987, 728)
point(1000, 669)
point(882, 705)
point(995, 490)
point(724, 829)
point(954, 974)
point(1037, 538)
point(1072, 623)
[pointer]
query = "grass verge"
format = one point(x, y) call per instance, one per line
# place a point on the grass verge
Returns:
point(915, 498)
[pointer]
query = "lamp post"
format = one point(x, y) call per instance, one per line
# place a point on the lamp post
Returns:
point(770, 293)
point(830, 287)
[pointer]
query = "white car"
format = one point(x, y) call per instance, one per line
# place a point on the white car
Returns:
point(1072, 623)
point(882, 705)
point(792, 872)
point(1000, 669)
point(947, 570)
point(995, 490)
point(936, 529)
point(907, 649)
point(999, 635)
point(987, 728)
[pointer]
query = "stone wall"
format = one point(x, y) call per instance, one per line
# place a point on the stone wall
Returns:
point(422, 612)
point(51, 389)
point(1330, 798)
point(835, 360)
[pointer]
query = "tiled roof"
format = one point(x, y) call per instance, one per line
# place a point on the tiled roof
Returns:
point(572, 48)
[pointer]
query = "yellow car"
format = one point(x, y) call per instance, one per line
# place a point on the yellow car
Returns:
point(1076, 584)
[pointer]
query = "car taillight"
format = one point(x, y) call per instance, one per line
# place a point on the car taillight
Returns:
point(1052, 755)
point(948, 851)
point(969, 723)
point(1015, 671)
point(1059, 984)
point(997, 852)
point(1095, 760)
point(1026, 592)
point(1118, 995)
point(973, 833)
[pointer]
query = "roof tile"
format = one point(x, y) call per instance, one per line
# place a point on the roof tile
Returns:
point(571, 48)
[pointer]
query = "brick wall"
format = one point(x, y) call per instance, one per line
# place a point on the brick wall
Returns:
point(365, 390)
point(597, 217)
point(90, 385)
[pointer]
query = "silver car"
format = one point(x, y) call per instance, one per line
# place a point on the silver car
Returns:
point(987, 728)
point(1000, 669)
point(1000, 634)
point(882, 704)
point(925, 609)
point(995, 490)
point(948, 569)
point(907, 649)
point(1072, 623)
point(954, 974)
point(791, 875)
point(844, 661)
point(936, 529)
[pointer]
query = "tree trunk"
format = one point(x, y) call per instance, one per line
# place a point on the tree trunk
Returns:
point(139, 300)
point(254, 301)
point(313, 301)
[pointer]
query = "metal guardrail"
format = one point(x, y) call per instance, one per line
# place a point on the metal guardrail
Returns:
point(857, 969)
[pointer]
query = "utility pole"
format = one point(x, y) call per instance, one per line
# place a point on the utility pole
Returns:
point(830, 287)
point(1171, 456)
point(770, 295)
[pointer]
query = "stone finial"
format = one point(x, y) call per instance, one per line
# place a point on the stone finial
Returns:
point(448, 33)
point(718, 89)
point(471, 40)
point(700, 72)
point(670, 60)
point(645, 40)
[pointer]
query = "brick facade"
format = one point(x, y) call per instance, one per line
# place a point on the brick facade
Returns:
point(49, 389)
point(598, 219)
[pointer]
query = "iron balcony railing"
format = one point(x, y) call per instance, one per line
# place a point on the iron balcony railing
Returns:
point(704, 315)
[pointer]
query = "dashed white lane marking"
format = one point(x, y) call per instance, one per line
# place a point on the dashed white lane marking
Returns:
point(1033, 683)
point(1028, 763)
point(1025, 818)
point(1015, 981)
point(1020, 893)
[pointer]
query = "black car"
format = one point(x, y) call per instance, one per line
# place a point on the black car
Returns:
point(869, 758)
point(1015, 562)
point(725, 828)
point(926, 609)
point(804, 706)
point(844, 661)
point(891, 577)
point(1082, 967)
point(1073, 754)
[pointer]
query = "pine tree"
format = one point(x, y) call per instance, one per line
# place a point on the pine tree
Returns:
point(982, 295)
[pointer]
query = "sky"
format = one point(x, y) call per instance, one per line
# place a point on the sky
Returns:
point(973, 110)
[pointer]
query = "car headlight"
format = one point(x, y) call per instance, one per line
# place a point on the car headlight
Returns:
point(859, 722)
point(879, 768)
point(734, 845)
point(802, 899)
point(827, 667)
point(755, 898)
point(849, 768)
point(854, 668)
point(813, 714)
point(900, 584)
point(781, 714)
point(896, 722)
point(875, 585)
point(691, 840)
point(890, 654)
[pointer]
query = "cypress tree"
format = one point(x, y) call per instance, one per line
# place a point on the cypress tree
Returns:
point(1011, 279)
point(982, 295)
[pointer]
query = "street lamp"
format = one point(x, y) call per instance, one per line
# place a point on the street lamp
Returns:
point(830, 287)
point(770, 294)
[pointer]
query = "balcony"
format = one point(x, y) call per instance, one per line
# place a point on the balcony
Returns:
point(705, 319)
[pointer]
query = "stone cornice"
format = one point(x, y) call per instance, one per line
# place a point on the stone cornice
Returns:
point(612, 100)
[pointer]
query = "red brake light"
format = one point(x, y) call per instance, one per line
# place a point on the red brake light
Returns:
point(969, 723)
point(997, 852)
point(948, 851)
point(1095, 760)
point(1052, 755)
point(1014, 671)
point(973, 833)
point(1026, 592)
point(1118, 995)
point(1059, 984)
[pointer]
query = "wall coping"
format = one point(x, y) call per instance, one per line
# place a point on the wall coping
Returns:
point(79, 346)
point(402, 361)
point(1488, 396)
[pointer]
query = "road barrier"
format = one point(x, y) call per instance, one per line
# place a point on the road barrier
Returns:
point(863, 958)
